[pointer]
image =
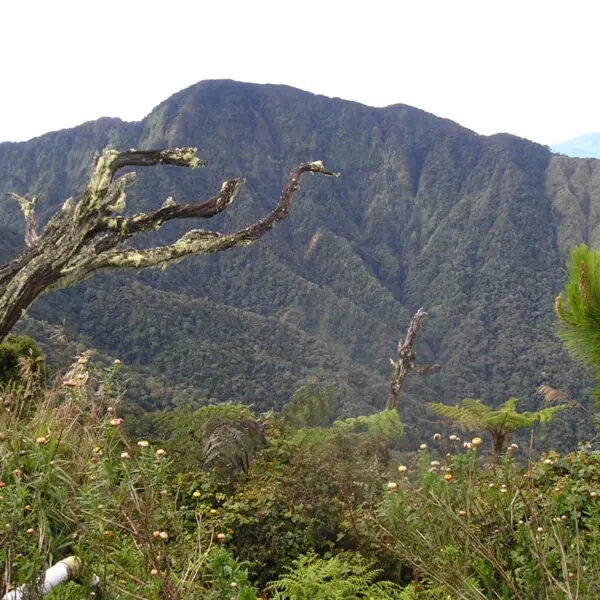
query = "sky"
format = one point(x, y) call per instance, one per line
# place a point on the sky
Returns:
point(524, 67)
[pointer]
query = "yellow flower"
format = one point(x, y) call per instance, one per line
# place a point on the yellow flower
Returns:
point(476, 441)
point(448, 477)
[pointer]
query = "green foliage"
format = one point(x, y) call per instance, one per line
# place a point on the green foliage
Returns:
point(311, 406)
point(503, 533)
point(473, 415)
point(346, 576)
point(385, 423)
point(13, 349)
point(579, 310)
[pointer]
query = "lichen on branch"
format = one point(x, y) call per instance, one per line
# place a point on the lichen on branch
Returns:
point(85, 236)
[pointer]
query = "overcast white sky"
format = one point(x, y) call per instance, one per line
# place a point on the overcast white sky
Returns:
point(526, 67)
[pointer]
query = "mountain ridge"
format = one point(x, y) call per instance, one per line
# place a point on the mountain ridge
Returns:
point(426, 212)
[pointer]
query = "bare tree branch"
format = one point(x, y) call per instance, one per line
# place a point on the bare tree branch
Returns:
point(85, 236)
point(406, 359)
point(28, 210)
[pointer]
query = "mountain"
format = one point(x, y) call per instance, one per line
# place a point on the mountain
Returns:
point(476, 229)
point(583, 146)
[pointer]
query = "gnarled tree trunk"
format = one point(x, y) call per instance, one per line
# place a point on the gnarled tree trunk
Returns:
point(86, 236)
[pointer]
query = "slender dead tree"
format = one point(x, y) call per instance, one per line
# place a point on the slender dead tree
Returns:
point(406, 359)
point(85, 236)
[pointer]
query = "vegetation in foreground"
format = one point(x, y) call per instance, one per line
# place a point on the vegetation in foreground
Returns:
point(224, 503)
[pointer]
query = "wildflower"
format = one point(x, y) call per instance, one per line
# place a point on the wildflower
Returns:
point(593, 494)
point(454, 438)
point(548, 462)
point(2, 436)
point(117, 362)
point(100, 506)
point(28, 507)
point(392, 485)
point(448, 477)
point(109, 534)
point(402, 468)
point(2, 484)
point(233, 584)
point(468, 445)
point(196, 494)
point(521, 522)
point(30, 531)
point(163, 492)
point(41, 441)
point(540, 529)
point(513, 447)
point(116, 422)
point(564, 517)
point(462, 513)
point(110, 409)
point(435, 463)
point(491, 485)
point(437, 437)
point(164, 535)
point(156, 534)
point(213, 512)
point(423, 447)
point(221, 537)
point(160, 453)
point(476, 441)
point(154, 572)
point(125, 455)
point(143, 443)
point(496, 531)
point(17, 472)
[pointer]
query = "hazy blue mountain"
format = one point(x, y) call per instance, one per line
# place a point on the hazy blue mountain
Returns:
point(583, 146)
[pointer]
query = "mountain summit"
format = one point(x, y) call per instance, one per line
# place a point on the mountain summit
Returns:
point(427, 213)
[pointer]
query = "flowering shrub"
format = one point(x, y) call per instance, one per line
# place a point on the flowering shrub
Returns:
point(503, 531)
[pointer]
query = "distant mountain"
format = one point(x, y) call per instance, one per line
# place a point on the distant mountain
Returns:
point(584, 146)
point(474, 228)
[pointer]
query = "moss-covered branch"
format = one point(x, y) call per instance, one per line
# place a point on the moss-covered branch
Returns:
point(86, 236)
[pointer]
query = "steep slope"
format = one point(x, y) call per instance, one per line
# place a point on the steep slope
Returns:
point(425, 213)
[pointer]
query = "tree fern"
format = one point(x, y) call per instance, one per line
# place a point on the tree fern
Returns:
point(473, 415)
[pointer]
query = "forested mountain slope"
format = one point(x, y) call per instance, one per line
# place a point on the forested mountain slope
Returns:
point(474, 228)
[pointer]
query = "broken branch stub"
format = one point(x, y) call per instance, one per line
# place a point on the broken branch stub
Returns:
point(406, 359)
point(86, 236)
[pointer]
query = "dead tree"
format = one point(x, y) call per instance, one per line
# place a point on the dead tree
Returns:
point(405, 362)
point(85, 236)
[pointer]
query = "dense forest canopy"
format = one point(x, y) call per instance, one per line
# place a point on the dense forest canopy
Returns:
point(474, 228)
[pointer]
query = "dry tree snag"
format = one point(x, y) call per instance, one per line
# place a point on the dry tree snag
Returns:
point(405, 362)
point(85, 236)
